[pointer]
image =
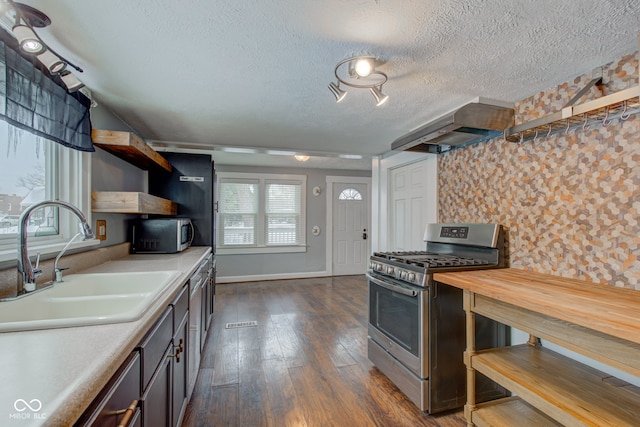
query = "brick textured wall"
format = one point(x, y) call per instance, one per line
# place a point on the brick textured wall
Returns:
point(570, 202)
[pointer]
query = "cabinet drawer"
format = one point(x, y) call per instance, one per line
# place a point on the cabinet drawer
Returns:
point(123, 390)
point(180, 306)
point(154, 345)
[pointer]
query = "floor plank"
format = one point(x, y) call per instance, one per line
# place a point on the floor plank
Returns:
point(305, 364)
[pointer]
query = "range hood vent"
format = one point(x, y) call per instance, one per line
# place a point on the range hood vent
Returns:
point(477, 121)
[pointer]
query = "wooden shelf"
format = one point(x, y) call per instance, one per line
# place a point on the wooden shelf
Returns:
point(597, 321)
point(129, 147)
point(131, 203)
point(607, 349)
point(510, 411)
point(570, 392)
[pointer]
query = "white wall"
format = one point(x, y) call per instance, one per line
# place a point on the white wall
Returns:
point(312, 262)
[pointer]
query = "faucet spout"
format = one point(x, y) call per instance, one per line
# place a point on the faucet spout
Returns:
point(27, 273)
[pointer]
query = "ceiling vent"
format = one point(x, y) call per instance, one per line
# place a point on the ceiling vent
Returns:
point(479, 120)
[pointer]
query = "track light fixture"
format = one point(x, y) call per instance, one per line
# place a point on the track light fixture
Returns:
point(26, 18)
point(27, 40)
point(337, 92)
point(359, 72)
point(380, 97)
point(54, 64)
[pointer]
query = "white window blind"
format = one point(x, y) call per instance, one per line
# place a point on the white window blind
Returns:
point(261, 212)
point(239, 211)
point(282, 214)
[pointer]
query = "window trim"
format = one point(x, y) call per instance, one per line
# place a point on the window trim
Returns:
point(72, 183)
point(260, 247)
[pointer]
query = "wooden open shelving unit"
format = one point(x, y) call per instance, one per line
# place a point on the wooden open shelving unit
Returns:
point(131, 203)
point(597, 321)
point(134, 150)
point(129, 147)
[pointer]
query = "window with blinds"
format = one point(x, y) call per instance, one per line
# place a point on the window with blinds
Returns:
point(261, 211)
point(238, 211)
point(282, 213)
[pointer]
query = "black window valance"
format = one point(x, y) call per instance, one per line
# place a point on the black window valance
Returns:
point(32, 100)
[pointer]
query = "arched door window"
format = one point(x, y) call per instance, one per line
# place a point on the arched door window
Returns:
point(350, 194)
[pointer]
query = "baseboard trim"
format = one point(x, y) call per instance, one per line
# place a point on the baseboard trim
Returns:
point(262, 277)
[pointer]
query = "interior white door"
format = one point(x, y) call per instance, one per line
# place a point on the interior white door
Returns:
point(350, 228)
point(412, 195)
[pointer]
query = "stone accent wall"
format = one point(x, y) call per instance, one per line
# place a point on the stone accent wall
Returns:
point(570, 202)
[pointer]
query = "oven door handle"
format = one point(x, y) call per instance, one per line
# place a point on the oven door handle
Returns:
point(390, 286)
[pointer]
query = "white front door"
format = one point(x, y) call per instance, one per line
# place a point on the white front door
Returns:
point(350, 227)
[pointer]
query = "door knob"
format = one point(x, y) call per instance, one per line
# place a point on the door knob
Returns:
point(364, 234)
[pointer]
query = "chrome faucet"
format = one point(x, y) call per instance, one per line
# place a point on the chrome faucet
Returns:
point(28, 273)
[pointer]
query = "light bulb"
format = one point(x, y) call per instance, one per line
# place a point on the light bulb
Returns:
point(363, 67)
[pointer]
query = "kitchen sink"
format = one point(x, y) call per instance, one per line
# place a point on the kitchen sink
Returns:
point(86, 299)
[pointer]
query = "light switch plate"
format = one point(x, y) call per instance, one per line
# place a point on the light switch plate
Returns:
point(101, 229)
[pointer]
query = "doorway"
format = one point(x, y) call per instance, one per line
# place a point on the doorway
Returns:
point(348, 225)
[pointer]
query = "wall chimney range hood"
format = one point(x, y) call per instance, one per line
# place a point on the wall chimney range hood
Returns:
point(479, 120)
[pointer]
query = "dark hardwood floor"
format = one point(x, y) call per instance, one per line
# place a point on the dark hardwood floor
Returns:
point(304, 365)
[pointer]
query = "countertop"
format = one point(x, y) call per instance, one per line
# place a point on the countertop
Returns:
point(65, 369)
point(603, 308)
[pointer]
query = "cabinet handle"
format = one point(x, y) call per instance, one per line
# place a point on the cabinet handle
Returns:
point(179, 349)
point(128, 414)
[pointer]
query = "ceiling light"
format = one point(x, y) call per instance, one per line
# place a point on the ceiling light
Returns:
point(363, 67)
point(54, 64)
point(337, 92)
point(26, 19)
point(71, 82)
point(359, 72)
point(301, 158)
point(380, 97)
point(27, 40)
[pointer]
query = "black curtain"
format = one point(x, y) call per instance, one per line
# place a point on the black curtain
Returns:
point(33, 100)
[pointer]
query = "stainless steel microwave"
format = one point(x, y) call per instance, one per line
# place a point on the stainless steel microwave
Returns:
point(161, 236)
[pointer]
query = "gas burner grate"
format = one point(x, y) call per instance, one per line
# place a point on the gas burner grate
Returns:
point(430, 260)
point(434, 262)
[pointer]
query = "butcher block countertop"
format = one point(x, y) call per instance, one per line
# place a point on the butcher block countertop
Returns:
point(603, 308)
point(598, 321)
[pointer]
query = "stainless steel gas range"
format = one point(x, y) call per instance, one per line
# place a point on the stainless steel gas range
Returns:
point(417, 326)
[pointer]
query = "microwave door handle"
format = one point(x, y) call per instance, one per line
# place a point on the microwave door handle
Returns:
point(193, 232)
point(390, 286)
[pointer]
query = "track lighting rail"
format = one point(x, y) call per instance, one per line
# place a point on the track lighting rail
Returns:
point(359, 72)
point(26, 18)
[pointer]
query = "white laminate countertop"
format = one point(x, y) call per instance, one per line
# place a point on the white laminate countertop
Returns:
point(65, 369)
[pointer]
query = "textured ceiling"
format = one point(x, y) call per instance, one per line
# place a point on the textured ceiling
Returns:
point(255, 73)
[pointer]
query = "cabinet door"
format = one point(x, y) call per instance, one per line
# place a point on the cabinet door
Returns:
point(180, 370)
point(156, 405)
point(124, 390)
point(154, 345)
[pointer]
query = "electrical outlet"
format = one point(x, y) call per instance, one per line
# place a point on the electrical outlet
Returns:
point(101, 229)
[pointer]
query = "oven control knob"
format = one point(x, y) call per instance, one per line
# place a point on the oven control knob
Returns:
point(403, 275)
point(411, 277)
point(389, 270)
